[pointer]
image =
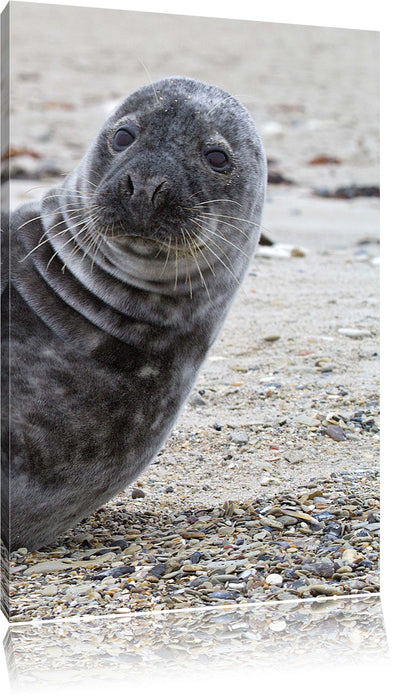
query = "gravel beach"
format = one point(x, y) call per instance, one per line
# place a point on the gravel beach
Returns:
point(268, 487)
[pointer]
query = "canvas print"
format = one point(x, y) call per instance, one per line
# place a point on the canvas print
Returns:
point(190, 313)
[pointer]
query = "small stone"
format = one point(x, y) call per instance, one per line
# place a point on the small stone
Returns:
point(274, 579)
point(50, 590)
point(293, 457)
point(120, 543)
point(220, 595)
point(192, 534)
point(156, 571)
point(323, 568)
point(310, 421)
point(45, 567)
point(351, 557)
point(355, 333)
point(169, 489)
point(287, 520)
point(247, 573)
point(137, 493)
point(277, 626)
point(272, 338)
point(116, 572)
point(335, 432)
point(195, 558)
point(195, 401)
point(240, 437)
point(322, 589)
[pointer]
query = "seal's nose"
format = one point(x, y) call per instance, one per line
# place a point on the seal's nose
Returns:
point(152, 189)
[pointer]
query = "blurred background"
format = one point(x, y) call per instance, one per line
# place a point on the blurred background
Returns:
point(313, 91)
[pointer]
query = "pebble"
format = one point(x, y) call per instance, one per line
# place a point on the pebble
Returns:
point(351, 557)
point(321, 589)
point(335, 432)
point(50, 590)
point(116, 572)
point(240, 437)
point(271, 338)
point(355, 333)
point(137, 493)
point(323, 568)
point(252, 550)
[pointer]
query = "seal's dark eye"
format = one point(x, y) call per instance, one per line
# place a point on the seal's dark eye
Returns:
point(217, 159)
point(122, 139)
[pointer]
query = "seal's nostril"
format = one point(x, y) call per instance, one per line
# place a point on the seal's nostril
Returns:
point(156, 191)
point(130, 185)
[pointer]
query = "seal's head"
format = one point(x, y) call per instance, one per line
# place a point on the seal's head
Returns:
point(176, 176)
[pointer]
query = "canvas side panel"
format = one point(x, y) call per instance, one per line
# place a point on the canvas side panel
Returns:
point(5, 315)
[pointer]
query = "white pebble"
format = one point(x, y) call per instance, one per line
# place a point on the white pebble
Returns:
point(274, 579)
point(50, 590)
point(355, 332)
point(277, 626)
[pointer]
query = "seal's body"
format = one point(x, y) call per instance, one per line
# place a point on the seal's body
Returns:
point(120, 281)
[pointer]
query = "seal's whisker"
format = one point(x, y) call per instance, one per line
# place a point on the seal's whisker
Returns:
point(176, 268)
point(191, 248)
point(236, 218)
point(70, 190)
point(75, 237)
point(47, 240)
point(214, 233)
point(206, 230)
point(96, 250)
point(221, 219)
point(58, 251)
point(220, 102)
point(219, 259)
point(187, 276)
point(36, 218)
point(58, 223)
point(214, 201)
point(167, 257)
point(194, 194)
point(149, 78)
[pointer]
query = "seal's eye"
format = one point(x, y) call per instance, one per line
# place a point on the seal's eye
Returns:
point(217, 159)
point(122, 139)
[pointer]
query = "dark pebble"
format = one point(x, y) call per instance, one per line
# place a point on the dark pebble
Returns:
point(294, 585)
point(117, 572)
point(289, 575)
point(332, 530)
point(138, 493)
point(220, 595)
point(216, 426)
point(323, 515)
point(198, 581)
point(362, 533)
point(98, 553)
point(123, 544)
point(195, 558)
point(322, 568)
point(157, 570)
point(169, 489)
point(335, 432)
point(365, 564)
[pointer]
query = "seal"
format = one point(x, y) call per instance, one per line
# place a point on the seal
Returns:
point(120, 281)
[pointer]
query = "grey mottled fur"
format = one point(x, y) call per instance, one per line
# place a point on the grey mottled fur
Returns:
point(120, 282)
